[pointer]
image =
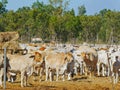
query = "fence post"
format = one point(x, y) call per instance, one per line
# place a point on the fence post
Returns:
point(4, 68)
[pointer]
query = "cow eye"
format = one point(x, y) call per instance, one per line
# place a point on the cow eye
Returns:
point(78, 55)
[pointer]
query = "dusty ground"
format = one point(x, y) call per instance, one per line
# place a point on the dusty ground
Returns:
point(78, 83)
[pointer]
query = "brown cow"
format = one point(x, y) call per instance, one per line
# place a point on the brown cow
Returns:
point(90, 57)
point(40, 66)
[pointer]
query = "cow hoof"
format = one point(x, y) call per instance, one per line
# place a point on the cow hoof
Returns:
point(29, 84)
point(1, 86)
point(22, 86)
point(63, 80)
point(9, 81)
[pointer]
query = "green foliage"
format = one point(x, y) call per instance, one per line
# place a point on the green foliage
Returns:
point(81, 10)
point(54, 22)
point(3, 6)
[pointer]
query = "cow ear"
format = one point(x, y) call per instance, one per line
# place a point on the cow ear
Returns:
point(65, 58)
point(36, 52)
point(32, 56)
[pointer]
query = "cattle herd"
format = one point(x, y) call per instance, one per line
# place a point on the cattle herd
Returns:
point(60, 61)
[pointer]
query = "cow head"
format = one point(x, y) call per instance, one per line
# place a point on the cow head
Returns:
point(7, 63)
point(38, 57)
point(83, 54)
point(68, 57)
point(87, 56)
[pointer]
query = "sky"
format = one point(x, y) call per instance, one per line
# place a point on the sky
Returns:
point(92, 6)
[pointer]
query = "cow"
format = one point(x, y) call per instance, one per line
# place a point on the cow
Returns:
point(38, 66)
point(60, 62)
point(2, 67)
point(112, 57)
point(90, 58)
point(40, 63)
point(104, 62)
point(21, 63)
point(116, 67)
point(79, 62)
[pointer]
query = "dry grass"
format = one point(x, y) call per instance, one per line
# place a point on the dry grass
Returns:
point(77, 83)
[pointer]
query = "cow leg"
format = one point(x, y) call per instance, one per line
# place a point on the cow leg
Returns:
point(12, 80)
point(69, 76)
point(95, 70)
point(25, 79)
point(90, 74)
point(37, 70)
point(1, 74)
point(81, 68)
point(63, 77)
point(57, 74)
point(41, 70)
point(47, 73)
point(22, 79)
point(116, 77)
point(86, 71)
point(75, 70)
point(98, 69)
point(108, 69)
point(113, 75)
point(50, 75)
point(9, 77)
point(1, 80)
point(103, 69)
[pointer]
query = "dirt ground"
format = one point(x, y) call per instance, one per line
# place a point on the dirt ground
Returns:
point(77, 83)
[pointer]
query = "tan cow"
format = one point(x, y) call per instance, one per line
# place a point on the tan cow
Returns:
point(23, 64)
point(60, 62)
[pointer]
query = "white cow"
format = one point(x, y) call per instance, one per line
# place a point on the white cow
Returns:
point(113, 58)
point(23, 64)
point(115, 65)
point(79, 61)
point(103, 61)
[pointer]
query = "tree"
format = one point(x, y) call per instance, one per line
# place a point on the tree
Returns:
point(81, 10)
point(103, 12)
point(54, 22)
point(3, 6)
point(90, 26)
point(59, 5)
